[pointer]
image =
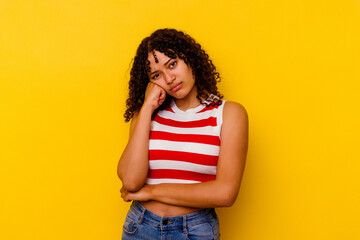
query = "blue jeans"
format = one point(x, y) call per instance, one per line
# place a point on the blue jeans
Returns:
point(142, 224)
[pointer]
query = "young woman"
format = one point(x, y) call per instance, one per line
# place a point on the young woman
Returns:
point(187, 147)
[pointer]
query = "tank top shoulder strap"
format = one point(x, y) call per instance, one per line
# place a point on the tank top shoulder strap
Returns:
point(219, 116)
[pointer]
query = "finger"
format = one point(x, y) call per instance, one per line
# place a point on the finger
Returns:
point(161, 101)
point(124, 192)
point(125, 197)
point(152, 82)
point(155, 84)
point(162, 94)
point(162, 97)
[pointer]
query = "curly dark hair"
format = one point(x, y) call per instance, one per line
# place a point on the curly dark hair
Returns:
point(172, 43)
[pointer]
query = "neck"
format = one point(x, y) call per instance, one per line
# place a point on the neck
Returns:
point(184, 105)
point(190, 101)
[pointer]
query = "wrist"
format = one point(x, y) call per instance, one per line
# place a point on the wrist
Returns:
point(146, 111)
point(150, 190)
point(147, 108)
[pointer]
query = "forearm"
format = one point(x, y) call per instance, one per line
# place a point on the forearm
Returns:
point(203, 195)
point(133, 164)
point(200, 195)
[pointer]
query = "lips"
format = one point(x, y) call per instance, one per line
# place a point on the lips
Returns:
point(177, 87)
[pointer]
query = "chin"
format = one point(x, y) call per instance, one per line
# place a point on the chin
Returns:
point(179, 96)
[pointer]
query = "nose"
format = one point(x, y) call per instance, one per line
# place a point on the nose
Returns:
point(169, 77)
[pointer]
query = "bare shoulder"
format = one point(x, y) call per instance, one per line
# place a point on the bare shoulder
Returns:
point(234, 111)
point(235, 128)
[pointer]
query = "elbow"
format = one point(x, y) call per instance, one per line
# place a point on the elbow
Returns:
point(227, 198)
point(228, 202)
point(118, 173)
point(131, 187)
point(131, 184)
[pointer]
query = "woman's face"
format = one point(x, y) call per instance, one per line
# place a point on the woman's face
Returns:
point(172, 74)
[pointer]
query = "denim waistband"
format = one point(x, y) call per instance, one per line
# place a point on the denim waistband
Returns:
point(167, 223)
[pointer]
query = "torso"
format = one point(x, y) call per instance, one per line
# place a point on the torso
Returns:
point(163, 209)
point(183, 148)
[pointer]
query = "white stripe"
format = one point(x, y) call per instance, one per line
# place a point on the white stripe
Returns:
point(200, 148)
point(188, 117)
point(219, 118)
point(152, 181)
point(208, 130)
point(179, 165)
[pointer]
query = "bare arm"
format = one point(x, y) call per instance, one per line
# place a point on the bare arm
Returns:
point(133, 164)
point(221, 192)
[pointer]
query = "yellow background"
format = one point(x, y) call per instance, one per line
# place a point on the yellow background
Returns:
point(294, 65)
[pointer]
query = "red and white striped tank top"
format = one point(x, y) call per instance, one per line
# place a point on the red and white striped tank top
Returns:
point(184, 145)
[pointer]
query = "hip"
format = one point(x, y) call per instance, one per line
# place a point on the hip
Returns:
point(143, 224)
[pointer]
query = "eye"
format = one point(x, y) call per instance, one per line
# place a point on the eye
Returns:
point(173, 64)
point(155, 76)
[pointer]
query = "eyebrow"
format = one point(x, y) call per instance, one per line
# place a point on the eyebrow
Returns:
point(164, 65)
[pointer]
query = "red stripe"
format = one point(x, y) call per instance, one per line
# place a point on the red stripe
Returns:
point(208, 108)
point(183, 156)
point(196, 138)
point(181, 174)
point(211, 121)
point(169, 109)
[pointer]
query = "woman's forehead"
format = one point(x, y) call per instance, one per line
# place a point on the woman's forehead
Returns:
point(156, 57)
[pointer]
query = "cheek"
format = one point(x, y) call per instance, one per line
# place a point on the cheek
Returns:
point(191, 78)
point(189, 75)
point(159, 82)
